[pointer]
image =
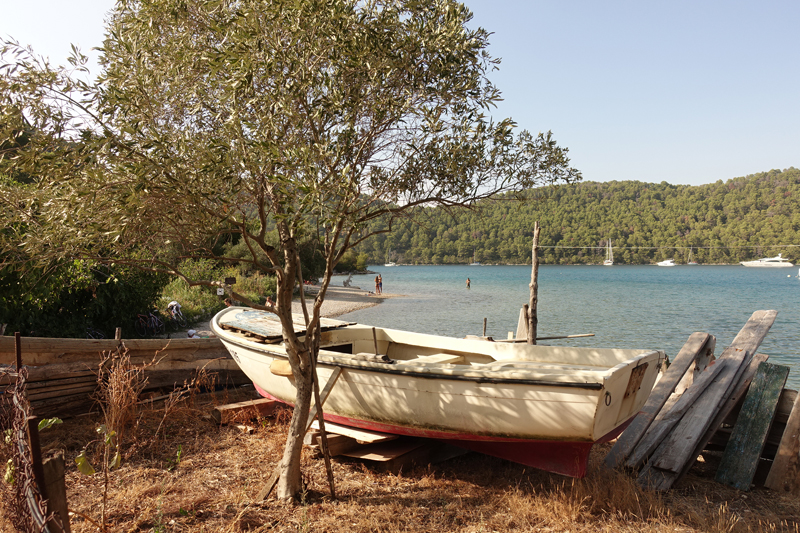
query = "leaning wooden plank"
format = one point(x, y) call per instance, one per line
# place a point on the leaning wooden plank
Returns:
point(363, 436)
point(671, 415)
point(674, 451)
point(658, 397)
point(785, 472)
point(705, 358)
point(739, 462)
point(224, 414)
point(715, 401)
point(723, 410)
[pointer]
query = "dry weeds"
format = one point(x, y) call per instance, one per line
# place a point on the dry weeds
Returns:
point(212, 486)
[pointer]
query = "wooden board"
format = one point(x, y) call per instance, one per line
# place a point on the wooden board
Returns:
point(784, 475)
point(740, 460)
point(403, 453)
point(224, 414)
point(675, 456)
point(669, 416)
point(268, 327)
point(681, 442)
point(363, 436)
point(725, 408)
point(658, 397)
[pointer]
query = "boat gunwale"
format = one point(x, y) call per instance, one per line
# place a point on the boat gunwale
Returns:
point(393, 369)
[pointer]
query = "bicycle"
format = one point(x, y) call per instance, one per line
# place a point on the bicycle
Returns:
point(148, 325)
point(92, 333)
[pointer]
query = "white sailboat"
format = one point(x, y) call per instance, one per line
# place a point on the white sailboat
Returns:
point(609, 254)
point(474, 262)
point(691, 260)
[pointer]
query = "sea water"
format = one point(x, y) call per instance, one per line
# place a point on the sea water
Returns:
point(643, 307)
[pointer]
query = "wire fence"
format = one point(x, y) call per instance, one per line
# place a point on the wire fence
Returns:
point(23, 500)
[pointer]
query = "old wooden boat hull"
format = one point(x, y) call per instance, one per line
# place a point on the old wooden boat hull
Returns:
point(536, 405)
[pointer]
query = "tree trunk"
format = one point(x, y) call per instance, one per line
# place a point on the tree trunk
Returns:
point(289, 482)
point(533, 318)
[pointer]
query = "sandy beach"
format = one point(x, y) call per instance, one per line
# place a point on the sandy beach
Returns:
point(338, 301)
point(343, 300)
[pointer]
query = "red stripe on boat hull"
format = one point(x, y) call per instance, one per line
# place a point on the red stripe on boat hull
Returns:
point(569, 458)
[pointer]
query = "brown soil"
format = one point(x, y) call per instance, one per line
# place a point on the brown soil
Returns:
point(221, 469)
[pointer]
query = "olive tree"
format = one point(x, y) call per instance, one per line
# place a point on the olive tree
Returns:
point(301, 118)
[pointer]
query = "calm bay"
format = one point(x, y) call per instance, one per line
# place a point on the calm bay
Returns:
point(639, 306)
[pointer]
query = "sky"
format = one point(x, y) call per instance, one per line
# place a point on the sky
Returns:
point(687, 92)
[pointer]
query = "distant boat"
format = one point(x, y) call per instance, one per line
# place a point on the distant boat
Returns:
point(609, 255)
point(666, 263)
point(390, 264)
point(770, 262)
point(474, 263)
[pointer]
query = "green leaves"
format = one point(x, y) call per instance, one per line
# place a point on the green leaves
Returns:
point(84, 467)
point(47, 423)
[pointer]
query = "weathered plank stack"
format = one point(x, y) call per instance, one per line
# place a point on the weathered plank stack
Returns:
point(696, 396)
point(62, 373)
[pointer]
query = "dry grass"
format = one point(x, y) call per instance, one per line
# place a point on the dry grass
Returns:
point(220, 471)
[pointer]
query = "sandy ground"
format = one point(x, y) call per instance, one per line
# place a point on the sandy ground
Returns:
point(338, 301)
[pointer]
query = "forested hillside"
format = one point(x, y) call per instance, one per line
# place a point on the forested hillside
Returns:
point(722, 222)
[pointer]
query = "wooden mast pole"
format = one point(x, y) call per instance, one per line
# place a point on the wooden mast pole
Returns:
point(533, 319)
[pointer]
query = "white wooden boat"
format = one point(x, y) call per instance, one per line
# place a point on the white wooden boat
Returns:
point(390, 264)
point(769, 262)
point(542, 406)
point(609, 261)
point(666, 263)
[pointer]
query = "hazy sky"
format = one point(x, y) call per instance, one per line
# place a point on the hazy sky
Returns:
point(679, 91)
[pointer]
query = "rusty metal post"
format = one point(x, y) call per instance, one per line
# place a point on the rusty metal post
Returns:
point(18, 349)
point(36, 455)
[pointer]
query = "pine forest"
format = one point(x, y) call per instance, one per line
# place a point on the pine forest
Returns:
point(723, 222)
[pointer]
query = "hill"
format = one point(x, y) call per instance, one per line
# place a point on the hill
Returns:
point(722, 222)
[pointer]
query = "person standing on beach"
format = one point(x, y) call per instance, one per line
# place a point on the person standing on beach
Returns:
point(468, 283)
point(380, 284)
point(377, 284)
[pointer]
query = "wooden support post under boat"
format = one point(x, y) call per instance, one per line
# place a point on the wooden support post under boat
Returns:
point(273, 480)
point(484, 326)
point(375, 340)
point(533, 319)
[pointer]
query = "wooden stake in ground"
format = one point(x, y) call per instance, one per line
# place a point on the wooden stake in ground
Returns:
point(533, 319)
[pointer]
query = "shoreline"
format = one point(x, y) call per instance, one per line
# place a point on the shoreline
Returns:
point(342, 300)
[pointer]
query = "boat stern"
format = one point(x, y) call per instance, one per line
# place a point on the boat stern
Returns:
point(625, 391)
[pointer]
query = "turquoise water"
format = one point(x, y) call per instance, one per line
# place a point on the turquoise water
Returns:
point(624, 306)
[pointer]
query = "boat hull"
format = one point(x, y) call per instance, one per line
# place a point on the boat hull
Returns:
point(539, 406)
point(568, 458)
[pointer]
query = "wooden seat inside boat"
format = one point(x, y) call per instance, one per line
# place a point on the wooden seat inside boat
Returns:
point(437, 358)
point(541, 366)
